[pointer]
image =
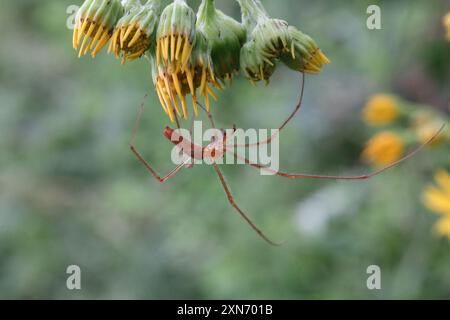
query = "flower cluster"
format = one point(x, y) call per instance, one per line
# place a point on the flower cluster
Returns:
point(194, 53)
point(402, 125)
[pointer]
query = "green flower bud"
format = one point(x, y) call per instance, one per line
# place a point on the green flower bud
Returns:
point(267, 40)
point(305, 55)
point(176, 35)
point(255, 64)
point(95, 20)
point(225, 37)
point(134, 31)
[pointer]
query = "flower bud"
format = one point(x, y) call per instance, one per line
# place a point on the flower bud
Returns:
point(175, 36)
point(304, 55)
point(134, 31)
point(199, 72)
point(225, 37)
point(256, 65)
point(271, 40)
point(172, 87)
point(267, 40)
point(95, 20)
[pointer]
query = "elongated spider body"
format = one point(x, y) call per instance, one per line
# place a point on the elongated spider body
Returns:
point(213, 152)
point(217, 149)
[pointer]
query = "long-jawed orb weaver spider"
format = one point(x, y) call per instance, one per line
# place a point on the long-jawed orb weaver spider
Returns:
point(216, 150)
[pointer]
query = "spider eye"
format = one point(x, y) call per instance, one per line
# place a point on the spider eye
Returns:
point(213, 153)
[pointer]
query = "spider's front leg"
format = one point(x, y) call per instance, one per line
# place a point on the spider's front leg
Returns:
point(285, 123)
point(139, 156)
point(333, 177)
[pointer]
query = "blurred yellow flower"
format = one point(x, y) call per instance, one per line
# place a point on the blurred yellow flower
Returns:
point(442, 227)
point(381, 109)
point(446, 21)
point(437, 199)
point(383, 149)
point(426, 131)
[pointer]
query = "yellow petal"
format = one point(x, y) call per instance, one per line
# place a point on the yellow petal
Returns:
point(136, 37)
point(158, 52)
point(103, 41)
point(442, 227)
point(74, 39)
point(125, 37)
point(211, 93)
point(443, 179)
point(190, 81)
point(172, 47)
point(85, 40)
point(179, 43)
point(163, 103)
point(437, 201)
point(96, 37)
point(81, 32)
point(183, 103)
point(203, 81)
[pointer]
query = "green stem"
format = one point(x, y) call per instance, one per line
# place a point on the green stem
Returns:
point(253, 12)
point(128, 4)
point(155, 4)
point(207, 10)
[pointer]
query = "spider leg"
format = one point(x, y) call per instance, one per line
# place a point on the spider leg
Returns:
point(191, 127)
point(285, 123)
point(236, 207)
point(360, 177)
point(141, 158)
point(210, 116)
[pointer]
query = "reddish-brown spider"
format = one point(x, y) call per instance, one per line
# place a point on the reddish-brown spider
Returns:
point(216, 150)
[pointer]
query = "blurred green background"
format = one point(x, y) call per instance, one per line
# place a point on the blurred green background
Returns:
point(72, 193)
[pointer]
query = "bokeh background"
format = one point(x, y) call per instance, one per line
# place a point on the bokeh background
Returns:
point(72, 193)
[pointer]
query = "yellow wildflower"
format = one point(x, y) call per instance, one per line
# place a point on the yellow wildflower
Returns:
point(381, 109)
point(427, 131)
point(437, 199)
point(383, 149)
point(446, 22)
point(442, 227)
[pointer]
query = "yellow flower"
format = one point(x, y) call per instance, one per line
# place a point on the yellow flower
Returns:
point(427, 131)
point(446, 22)
point(442, 227)
point(437, 199)
point(380, 110)
point(383, 149)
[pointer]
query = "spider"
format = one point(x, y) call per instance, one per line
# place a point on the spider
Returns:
point(217, 149)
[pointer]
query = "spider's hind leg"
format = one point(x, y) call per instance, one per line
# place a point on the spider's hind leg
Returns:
point(239, 210)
